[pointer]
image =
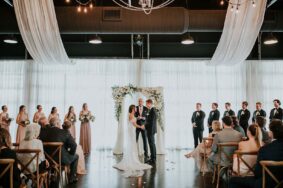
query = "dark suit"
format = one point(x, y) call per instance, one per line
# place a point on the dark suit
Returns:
point(269, 152)
point(138, 130)
point(197, 120)
point(258, 113)
point(69, 156)
point(278, 114)
point(244, 116)
point(214, 115)
point(229, 113)
point(151, 130)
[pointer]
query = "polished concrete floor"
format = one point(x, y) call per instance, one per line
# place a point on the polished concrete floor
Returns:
point(172, 170)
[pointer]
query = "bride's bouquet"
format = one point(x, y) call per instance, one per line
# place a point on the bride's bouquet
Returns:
point(87, 117)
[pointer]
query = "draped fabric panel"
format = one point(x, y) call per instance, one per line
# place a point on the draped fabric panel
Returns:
point(239, 33)
point(184, 82)
point(39, 29)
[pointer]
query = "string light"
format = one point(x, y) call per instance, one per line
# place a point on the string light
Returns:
point(91, 5)
point(67, 1)
point(79, 9)
point(85, 10)
point(232, 8)
point(222, 2)
point(253, 3)
point(237, 10)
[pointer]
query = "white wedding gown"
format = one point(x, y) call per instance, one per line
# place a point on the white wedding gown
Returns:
point(130, 163)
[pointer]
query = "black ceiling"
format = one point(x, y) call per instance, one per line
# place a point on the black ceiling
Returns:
point(160, 45)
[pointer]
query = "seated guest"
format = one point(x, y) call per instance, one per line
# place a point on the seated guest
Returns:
point(252, 145)
point(269, 152)
point(216, 126)
point(7, 153)
point(237, 127)
point(81, 163)
point(31, 142)
point(69, 156)
point(261, 121)
point(228, 134)
point(44, 124)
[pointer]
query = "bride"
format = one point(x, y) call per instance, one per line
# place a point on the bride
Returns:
point(130, 163)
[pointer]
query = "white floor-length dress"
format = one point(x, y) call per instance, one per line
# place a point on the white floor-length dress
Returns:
point(130, 163)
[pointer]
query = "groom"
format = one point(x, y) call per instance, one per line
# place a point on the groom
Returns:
point(150, 127)
point(141, 112)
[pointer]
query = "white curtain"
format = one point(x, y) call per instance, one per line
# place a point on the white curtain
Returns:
point(240, 32)
point(39, 29)
point(184, 82)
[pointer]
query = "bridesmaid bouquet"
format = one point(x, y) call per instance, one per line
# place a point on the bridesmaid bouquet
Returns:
point(25, 123)
point(87, 118)
point(73, 119)
point(10, 119)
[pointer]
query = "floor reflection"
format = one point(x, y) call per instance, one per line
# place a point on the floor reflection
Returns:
point(172, 170)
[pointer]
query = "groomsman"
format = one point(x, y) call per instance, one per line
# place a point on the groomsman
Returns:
point(258, 112)
point(214, 115)
point(229, 111)
point(141, 113)
point(244, 116)
point(198, 122)
point(276, 112)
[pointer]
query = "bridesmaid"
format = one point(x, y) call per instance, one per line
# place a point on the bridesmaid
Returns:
point(5, 120)
point(54, 114)
point(39, 114)
point(85, 133)
point(22, 121)
point(71, 116)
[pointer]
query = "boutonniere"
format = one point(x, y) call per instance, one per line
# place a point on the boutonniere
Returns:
point(227, 113)
point(212, 113)
point(197, 114)
point(243, 112)
point(257, 113)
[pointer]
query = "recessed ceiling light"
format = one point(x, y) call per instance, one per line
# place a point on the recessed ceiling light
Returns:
point(11, 40)
point(95, 40)
point(187, 39)
point(270, 39)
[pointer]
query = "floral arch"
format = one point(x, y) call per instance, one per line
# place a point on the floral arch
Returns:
point(154, 93)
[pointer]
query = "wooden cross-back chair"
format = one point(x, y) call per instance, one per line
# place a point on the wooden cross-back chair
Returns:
point(240, 159)
point(9, 167)
point(218, 168)
point(204, 155)
point(37, 178)
point(265, 169)
point(55, 152)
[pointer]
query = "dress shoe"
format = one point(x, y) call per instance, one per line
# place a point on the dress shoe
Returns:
point(73, 180)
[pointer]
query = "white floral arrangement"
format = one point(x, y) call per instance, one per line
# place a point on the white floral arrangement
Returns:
point(73, 119)
point(155, 94)
point(87, 117)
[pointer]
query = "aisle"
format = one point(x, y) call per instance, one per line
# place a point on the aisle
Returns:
point(173, 170)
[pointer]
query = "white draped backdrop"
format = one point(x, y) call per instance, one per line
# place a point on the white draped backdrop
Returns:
point(185, 82)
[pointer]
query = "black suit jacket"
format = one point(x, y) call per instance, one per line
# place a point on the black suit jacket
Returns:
point(198, 119)
point(213, 116)
point(270, 152)
point(144, 114)
point(54, 134)
point(277, 115)
point(229, 113)
point(151, 119)
point(258, 113)
point(244, 117)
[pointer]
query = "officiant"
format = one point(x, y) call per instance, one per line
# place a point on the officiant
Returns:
point(141, 113)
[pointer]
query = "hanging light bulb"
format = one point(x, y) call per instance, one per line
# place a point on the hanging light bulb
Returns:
point(237, 10)
point(79, 9)
point(232, 8)
point(253, 3)
point(85, 10)
point(91, 5)
point(67, 1)
point(222, 2)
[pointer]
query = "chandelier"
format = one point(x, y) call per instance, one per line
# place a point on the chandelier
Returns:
point(142, 5)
